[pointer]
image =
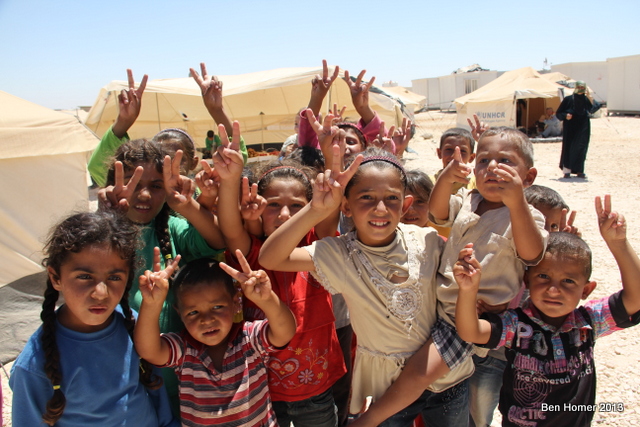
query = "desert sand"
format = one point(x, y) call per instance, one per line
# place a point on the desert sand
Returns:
point(612, 168)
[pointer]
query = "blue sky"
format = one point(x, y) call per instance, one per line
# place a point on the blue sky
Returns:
point(60, 53)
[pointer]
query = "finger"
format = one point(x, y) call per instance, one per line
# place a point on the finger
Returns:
point(143, 85)
point(166, 169)
point(206, 167)
point(607, 203)
point(381, 131)
point(235, 143)
point(370, 83)
point(132, 83)
point(572, 218)
point(173, 266)
point(231, 271)
point(135, 179)
point(124, 97)
point(347, 78)
point(351, 170)
point(254, 191)
point(336, 72)
point(359, 78)
point(224, 137)
point(156, 259)
point(344, 108)
point(456, 155)
point(325, 70)
point(470, 123)
point(563, 219)
point(203, 70)
point(599, 206)
point(119, 175)
point(244, 264)
point(196, 77)
point(477, 120)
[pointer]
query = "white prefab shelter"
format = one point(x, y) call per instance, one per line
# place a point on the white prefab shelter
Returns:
point(495, 103)
point(624, 85)
point(594, 73)
point(264, 103)
point(442, 91)
point(43, 170)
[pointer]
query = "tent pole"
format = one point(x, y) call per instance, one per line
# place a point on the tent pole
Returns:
point(262, 131)
point(158, 113)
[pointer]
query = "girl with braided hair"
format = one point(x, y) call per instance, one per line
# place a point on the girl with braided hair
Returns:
point(146, 183)
point(80, 367)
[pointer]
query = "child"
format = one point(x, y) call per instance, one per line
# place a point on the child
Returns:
point(80, 367)
point(550, 376)
point(419, 186)
point(450, 139)
point(302, 374)
point(153, 188)
point(386, 275)
point(485, 383)
point(223, 378)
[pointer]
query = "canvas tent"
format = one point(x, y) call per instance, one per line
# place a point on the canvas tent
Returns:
point(43, 158)
point(265, 104)
point(495, 103)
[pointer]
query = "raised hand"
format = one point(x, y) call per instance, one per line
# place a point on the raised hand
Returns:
point(456, 170)
point(210, 87)
point(401, 136)
point(337, 114)
point(328, 187)
point(511, 185)
point(613, 226)
point(154, 285)
point(383, 140)
point(467, 270)
point(255, 284)
point(179, 188)
point(118, 195)
point(227, 159)
point(129, 105)
point(477, 128)
point(359, 91)
point(208, 180)
point(566, 224)
point(251, 203)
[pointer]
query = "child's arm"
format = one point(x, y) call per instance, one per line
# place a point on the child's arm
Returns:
point(455, 171)
point(527, 236)
point(211, 89)
point(613, 229)
point(279, 252)
point(179, 190)
point(154, 287)
point(129, 105)
point(256, 286)
point(467, 274)
point(320, 86)
point(228, 162)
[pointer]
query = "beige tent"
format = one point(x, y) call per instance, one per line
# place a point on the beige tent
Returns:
point(265, 104)
point(43, 158)
point(495, 103)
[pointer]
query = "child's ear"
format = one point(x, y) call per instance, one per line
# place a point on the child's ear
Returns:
point(54, 278)
point(472, 157)
point(439, 153)
point(588, 288)
point(406, 204)
point(346, 210)
point(531, 175)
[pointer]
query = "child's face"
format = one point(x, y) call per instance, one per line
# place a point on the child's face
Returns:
point(92, 282)
point(552, 218)
point(353, 145)
point(376, 202)
point(418, 212)
point(449, 146)
point(207, 311)
point(285, 197)
point(149, 196)
point(556, 286)
point(493, 151)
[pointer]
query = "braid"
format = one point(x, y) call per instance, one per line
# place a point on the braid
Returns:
point(147, 377)
point(55, 405)
point(162, 232)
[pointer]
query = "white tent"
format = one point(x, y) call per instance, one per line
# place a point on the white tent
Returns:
point(43, 159)
point(265, 103)
point(495, 103)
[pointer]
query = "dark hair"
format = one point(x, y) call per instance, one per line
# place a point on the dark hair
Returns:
point(523, 144)
point(73, 235)
point(286, 169)
point(203, 270)
point(381, 159)
point(419, 184)
point(540, 196)
point(141, 152)
point(458, 133)
point(185, 141)
point(569, 246)
point(209, 134)
point(346, 126)
point(309, 156)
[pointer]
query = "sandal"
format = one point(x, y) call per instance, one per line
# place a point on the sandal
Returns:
point(581, 175)
point(567, 176)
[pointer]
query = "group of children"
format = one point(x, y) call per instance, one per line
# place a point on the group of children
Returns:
point(505, 270)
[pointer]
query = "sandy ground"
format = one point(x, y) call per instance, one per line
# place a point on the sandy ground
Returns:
point(612, 168)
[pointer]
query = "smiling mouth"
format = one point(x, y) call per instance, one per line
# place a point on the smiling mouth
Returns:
point(379, 223)
point(142, 207)
point(210, 332)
